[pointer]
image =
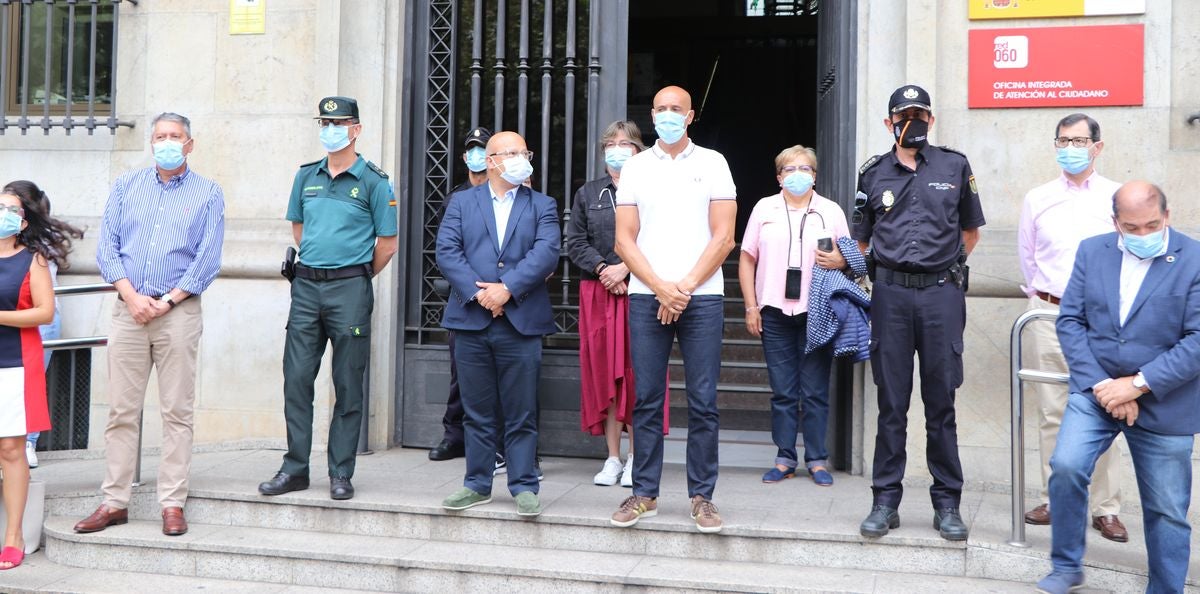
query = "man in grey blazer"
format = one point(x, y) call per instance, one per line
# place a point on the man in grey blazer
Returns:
point(1130, 330)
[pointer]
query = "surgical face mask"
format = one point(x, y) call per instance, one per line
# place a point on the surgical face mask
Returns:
point(517, 169)
point(168, 154)
point(798, 183)
point(615, 156)
point(669, 126)
point(10, 224)
point(1145, 246)
point(476, 159)
point(912, 133)
point(1073, 160)
point(335, 138)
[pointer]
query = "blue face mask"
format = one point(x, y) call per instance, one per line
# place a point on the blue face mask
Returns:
point(798, 183)
point(1145, 246)
point(616, 156)
point(669, 126)
point(10, 224)
point(1073, 160)
point(168, 154)
point(335, 138)
point(476, 159)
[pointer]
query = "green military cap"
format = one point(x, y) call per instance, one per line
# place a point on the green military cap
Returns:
point(337, 108)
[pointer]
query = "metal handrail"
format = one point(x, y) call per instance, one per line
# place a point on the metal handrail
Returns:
point(1018, 379)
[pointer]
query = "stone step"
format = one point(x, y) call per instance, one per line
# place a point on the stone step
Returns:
point(322, 559)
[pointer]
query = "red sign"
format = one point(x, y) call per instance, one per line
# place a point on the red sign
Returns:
point(1056, 66)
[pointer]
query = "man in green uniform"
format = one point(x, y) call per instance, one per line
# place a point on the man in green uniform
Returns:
point(343, 217)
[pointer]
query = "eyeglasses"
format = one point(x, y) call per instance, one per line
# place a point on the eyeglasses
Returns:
point(623, 144)
point(510, 154)
point(790, 169)
point(860, 200)
point(323, 123)
point(1077, 142)
point(17, 210)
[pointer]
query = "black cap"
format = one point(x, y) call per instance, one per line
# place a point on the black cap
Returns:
point(478, 136)
point(337, 108)
point(909, 96)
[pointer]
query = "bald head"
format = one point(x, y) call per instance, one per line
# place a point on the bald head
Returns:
point(1140, 207)
point(501, 146)
point(673, 96)
point(504, 141)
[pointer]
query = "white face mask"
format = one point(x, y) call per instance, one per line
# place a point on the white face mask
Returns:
point(517, 169)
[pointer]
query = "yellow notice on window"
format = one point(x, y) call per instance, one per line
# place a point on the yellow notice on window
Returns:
point(247, 17)
point(1019, 9)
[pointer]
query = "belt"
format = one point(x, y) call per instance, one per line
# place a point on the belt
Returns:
point(328, 274)
point(911, 280)
point(1044, 296)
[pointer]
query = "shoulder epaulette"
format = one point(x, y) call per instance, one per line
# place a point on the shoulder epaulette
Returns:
point(376, 169)
point(953, 150)
point(870, 163)
point(303, 165)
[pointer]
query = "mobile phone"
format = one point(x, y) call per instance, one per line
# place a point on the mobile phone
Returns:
point(825, 244)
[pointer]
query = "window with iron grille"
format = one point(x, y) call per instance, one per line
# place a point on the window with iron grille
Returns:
point(58, 63)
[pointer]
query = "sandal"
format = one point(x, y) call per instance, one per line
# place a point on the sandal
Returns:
point(11, 555)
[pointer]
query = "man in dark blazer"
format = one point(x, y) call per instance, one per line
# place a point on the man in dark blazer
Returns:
point(497, 244)
point(1129, 326)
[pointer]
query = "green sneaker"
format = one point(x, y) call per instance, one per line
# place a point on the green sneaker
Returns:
point(527, 504)
point(464, 498)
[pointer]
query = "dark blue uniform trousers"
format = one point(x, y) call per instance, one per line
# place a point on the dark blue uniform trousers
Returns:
point(929, 321)
point(498, 371)
point(452, 421)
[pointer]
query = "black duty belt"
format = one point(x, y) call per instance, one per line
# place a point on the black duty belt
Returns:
point(328, 274)
point(912, 280)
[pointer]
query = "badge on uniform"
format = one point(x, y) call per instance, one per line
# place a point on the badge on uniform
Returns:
point(354, 193)
point(974, 188)
point(888, 200)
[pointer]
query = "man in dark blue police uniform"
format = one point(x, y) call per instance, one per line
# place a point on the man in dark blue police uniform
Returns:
point(343, 218)
point(918, 212)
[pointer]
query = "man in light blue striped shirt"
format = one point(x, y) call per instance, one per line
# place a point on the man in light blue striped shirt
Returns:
point(160, 246)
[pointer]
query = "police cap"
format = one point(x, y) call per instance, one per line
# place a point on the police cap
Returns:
point(909, 96)
point(477, 137)
point(337, 108)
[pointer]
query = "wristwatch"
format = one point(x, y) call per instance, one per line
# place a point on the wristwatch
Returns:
point(1139, 382)
point(166, 298)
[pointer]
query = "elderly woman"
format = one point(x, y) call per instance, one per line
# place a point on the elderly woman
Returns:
point(605, 365)
point(779, 249)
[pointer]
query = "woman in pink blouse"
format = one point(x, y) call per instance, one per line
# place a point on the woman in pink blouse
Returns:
point(779, 249)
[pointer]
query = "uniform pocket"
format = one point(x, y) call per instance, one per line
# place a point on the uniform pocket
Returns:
point(956, 364)
point(876, 371)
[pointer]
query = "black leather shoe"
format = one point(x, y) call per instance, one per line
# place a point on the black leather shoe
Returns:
point(446, 451)
point(949, 524)
point(340, 487)
point(881, 519)
point(283, 483)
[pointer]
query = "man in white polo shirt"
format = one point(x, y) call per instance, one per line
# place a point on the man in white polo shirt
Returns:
point(676, 209)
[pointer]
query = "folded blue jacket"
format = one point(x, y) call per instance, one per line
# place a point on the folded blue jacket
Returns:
point(837, 308)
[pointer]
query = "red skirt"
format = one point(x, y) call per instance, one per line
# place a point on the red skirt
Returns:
point(605, 363)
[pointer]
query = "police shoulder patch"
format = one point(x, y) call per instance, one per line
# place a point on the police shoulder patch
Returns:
point(870, 163)
point(376, 169)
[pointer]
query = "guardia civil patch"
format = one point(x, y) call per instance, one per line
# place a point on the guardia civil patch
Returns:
point(356, 331)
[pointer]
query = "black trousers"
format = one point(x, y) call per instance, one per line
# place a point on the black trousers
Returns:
point(452, 421)
point(929, 322)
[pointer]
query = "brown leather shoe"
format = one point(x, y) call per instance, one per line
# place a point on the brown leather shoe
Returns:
point(173, 522)
point(102, 518)
point(1038, 516)
point(1110, 527)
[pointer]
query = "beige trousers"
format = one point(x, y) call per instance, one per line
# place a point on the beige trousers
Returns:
point(169, 344)
point(1043, 352)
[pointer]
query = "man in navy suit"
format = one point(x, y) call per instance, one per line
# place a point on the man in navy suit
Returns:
point(1129, 326)
point(497, 244)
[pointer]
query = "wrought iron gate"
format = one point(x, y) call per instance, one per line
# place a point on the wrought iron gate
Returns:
point(554, 71)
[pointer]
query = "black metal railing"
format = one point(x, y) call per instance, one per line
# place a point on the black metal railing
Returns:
point(62, 72)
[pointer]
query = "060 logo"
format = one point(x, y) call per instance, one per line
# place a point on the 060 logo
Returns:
point(1011, 51)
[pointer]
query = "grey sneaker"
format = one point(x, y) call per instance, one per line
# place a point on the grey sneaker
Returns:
point(464, 498)
point(704, 512)
point(633, 509)
point(527, 504)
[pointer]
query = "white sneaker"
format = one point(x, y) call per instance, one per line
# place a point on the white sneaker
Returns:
point(31, 455)
point(610, 473)
point(627, 473)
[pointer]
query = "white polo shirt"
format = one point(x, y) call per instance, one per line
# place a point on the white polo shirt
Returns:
point(672, 197)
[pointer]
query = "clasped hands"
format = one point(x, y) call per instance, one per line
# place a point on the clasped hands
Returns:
point(492, 296)
point(613, 278)
point(673, 298)
point(1119, 398)
point(144, 309)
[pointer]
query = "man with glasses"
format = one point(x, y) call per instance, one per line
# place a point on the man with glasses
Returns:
point(496, 245)
point(343, 218)
point(1057, 216)
point(917, 211)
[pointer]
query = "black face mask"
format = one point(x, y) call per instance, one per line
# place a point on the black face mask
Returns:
point(912, 133)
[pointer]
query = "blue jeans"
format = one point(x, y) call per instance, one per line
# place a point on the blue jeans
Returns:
point(800, 384)
point(699, 331)
point(1164, 473)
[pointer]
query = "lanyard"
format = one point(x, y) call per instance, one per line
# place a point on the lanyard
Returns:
point(803, 220)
